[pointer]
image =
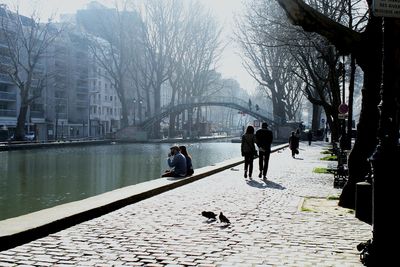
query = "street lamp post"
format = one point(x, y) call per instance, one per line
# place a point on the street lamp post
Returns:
point(342, 141)
point(62, 130)
point(134, 111)
point(140, 109)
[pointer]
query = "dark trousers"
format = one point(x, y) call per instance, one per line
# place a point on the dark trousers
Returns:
point(248, 162)
point(263, 160)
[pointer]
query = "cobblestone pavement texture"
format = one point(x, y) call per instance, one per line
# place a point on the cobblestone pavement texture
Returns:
point(267, 227)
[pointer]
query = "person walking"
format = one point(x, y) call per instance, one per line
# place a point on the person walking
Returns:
point(248, 150)
point(294, 144)
point(309, 137)
point(177, 162)
point(264, 139)
point(189, 166)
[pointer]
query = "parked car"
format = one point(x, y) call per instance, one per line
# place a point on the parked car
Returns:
point(29, 136)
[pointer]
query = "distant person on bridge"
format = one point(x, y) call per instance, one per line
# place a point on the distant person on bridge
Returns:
point(264, 140)
point(189, 166)
point(177, 162)
point(248, 150)
point(249, 103)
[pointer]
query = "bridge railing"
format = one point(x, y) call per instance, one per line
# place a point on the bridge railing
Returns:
point(227, 99)
point(232, 102)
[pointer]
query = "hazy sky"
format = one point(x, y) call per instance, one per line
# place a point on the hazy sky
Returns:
point(230, 64)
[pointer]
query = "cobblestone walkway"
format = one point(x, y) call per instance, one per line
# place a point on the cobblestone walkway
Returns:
point(267, 228)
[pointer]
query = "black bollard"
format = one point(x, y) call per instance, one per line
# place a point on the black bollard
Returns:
point(364, 202)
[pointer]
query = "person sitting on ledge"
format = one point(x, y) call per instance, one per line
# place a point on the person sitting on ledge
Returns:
point(189, 166)
point(177, 162)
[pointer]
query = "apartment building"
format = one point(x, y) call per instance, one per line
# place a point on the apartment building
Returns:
point(105, 106)
point(10, 99)
point(67, 89)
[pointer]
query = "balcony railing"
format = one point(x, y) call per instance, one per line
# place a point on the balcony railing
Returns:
point(5, 78)
point(8, 113)
point(8, 96)
point(37, 113)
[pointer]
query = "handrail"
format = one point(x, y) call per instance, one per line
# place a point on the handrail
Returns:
point(231, 102)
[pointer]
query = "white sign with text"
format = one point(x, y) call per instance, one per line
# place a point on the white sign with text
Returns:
point(386, 8)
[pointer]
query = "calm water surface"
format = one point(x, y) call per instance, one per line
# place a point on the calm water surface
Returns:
point(31, 180)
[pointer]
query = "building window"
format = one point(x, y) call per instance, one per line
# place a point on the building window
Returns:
point(111, 98)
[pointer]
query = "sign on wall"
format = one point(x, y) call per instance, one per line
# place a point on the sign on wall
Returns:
point(386, 8)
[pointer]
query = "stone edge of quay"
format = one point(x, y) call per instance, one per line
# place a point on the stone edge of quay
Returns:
point(23, 229)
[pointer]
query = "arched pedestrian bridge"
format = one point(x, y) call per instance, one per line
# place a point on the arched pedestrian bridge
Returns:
point(229, 102)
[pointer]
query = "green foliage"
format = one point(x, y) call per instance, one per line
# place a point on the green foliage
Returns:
point(329, 158)
point(307, 209)
point(325, 152)
point(320, 170)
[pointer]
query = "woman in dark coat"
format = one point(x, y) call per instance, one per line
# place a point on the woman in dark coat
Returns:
point(189, 165)
point(248, 150)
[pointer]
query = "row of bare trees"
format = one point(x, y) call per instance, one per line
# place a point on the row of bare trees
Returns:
point(290, 63)
point(153, 46)
point(143, 48)
point(372, 45)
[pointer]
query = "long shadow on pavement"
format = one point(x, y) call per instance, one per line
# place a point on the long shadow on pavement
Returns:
point(267, 184)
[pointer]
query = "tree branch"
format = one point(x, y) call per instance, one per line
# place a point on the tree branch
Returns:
point(345, 39)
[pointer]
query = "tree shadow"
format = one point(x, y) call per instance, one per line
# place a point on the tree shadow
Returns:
point(299, 158)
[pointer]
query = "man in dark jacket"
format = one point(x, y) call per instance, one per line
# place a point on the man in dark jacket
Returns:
point(264, 140)
point(177, 162)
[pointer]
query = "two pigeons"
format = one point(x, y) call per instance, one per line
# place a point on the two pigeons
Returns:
point(212, 216)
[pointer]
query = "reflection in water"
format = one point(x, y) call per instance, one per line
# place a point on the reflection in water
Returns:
point(36, 179)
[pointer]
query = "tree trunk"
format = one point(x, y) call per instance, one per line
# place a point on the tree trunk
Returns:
point(351, 97)
point(278, 108)
point(157, 107)
point(124, 119)
point(171, 129)
point(386, 157)
point(316, 118)
point(366, 141)
point(20, 129)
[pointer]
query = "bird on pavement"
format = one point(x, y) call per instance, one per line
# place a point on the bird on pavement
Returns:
point(223, 219)
point(209, 215)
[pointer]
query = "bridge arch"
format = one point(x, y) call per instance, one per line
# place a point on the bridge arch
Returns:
point(230, 102)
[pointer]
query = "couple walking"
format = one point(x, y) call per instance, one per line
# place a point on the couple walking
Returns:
point(263, 139)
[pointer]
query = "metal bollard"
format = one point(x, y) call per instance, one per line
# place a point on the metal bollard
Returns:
point(364, 202)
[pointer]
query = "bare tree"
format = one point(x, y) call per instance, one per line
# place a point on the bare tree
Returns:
point(26, 40)
point(266, 58)
point(111, 36)
point(370, 49)
point(162, 29)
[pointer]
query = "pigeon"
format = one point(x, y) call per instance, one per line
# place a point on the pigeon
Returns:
point(209, 215)
point(223, 219)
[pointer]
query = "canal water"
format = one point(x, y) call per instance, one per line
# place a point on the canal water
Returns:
point(32, 180)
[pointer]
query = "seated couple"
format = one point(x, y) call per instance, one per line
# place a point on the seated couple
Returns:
point(180, 163)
